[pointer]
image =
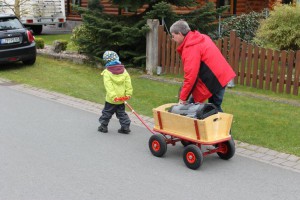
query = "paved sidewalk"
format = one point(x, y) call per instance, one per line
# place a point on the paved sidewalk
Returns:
point(283, 160)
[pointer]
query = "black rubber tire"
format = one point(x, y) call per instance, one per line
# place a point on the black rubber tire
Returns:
point(185, 143)
point(192, 156)
point(37, 29)
point(158, 145)
point(230, 150)
point(29, 62)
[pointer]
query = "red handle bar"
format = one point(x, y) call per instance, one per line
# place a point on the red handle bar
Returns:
point(121, 98)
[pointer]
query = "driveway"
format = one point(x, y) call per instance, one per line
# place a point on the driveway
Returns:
point(50, 149)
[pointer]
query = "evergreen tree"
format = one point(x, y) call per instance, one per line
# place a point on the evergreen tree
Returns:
point(133, 5)
point(162, 11)
point(126, 35)
point(100, 32)
point(203, 19)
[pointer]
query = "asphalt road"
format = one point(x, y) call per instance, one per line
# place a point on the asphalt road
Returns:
point(50, 151)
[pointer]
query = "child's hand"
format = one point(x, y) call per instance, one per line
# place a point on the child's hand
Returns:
point(121, 98)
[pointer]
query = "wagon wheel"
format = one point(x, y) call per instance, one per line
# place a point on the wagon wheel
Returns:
point(227, 149)
point(158, 145)
point(192, 156)
point(185, 143)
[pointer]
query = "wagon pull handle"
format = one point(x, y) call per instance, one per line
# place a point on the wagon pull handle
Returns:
point(121, 98)
point(139, 117)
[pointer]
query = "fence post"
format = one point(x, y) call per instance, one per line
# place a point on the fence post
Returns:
point(152, 46)
point(231, 55)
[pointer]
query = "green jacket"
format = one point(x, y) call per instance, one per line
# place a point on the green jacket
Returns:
point(116, 85)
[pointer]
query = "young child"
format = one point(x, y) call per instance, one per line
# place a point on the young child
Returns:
point(117, 84)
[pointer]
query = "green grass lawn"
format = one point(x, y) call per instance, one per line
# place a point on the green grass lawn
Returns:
point(256, 121)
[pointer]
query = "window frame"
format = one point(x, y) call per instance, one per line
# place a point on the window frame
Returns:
point(289, 2)
point(232, 10)
point(70, 3)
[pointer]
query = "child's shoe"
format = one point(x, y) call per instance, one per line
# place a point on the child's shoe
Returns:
point(124, 130)
point(102, 129)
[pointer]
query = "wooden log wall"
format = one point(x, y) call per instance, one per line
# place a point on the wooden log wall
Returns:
point(243, 6)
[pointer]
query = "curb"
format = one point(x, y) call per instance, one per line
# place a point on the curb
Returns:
point(265, 155)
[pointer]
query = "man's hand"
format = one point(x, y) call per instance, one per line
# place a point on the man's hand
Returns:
point(181, 101)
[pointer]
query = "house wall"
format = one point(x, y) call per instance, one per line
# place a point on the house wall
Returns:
point(242, 6)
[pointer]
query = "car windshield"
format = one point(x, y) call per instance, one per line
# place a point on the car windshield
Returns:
point(10, 23)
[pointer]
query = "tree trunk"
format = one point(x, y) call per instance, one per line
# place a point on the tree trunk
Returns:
point(17, 8)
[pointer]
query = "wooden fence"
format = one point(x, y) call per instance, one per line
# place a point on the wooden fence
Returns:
point(257, 67)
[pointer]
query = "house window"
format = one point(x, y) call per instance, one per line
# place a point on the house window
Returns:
point(70, 5)
point(231, 3)
point(287, 1)
point(223, 3)
point(76, 2)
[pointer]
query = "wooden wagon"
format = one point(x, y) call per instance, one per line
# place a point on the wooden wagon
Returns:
point(192, 133)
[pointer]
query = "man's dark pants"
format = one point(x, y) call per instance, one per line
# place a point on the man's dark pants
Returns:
point(217, 99)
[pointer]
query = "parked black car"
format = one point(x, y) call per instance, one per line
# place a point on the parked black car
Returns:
point(16, 42)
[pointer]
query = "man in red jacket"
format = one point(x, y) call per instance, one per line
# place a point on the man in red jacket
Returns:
point(206, 71)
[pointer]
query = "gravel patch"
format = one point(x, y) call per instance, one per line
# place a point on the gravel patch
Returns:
point(65, 55)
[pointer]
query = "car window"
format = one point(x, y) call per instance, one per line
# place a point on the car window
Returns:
point(10, 23)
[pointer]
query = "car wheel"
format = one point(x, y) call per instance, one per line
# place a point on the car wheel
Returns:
point(37, 29)
point(29, 62)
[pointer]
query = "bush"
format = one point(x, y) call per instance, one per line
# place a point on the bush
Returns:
point(59, 45)
point(245, 25)
point(281, 29)
point(80, 33)
point(39, 43)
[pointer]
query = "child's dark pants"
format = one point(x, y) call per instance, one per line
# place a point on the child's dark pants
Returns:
point(110, 109)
